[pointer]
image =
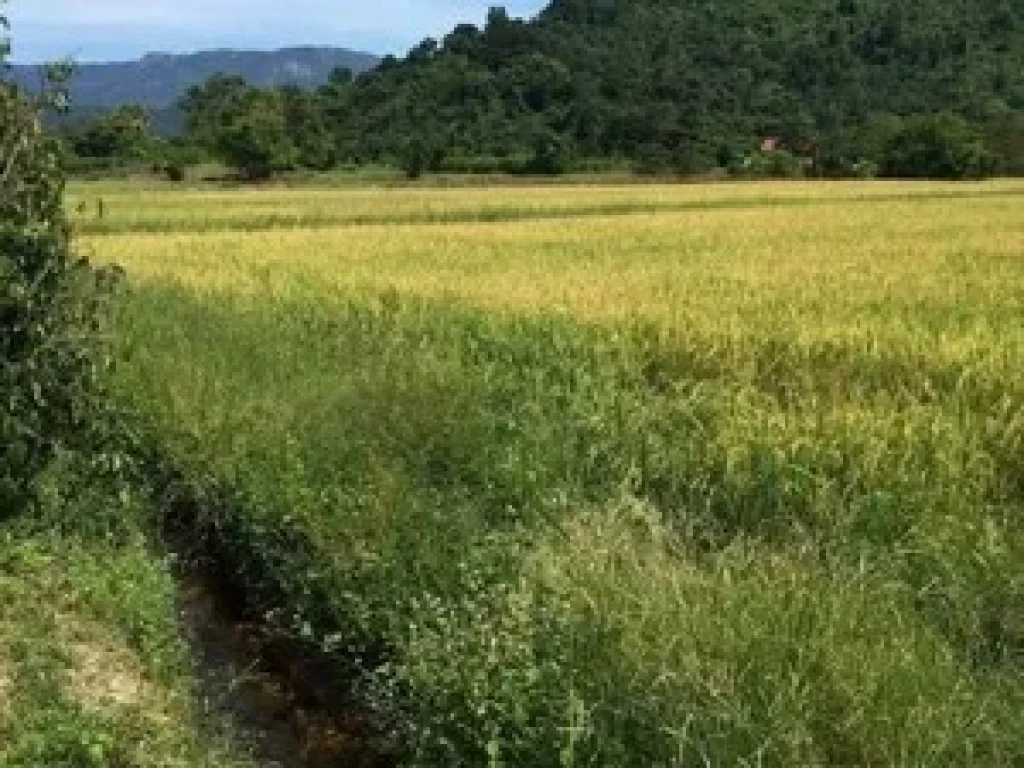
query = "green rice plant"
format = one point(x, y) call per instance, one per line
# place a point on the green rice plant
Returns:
point(406, 483)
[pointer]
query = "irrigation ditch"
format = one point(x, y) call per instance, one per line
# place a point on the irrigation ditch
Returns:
point(285, 701)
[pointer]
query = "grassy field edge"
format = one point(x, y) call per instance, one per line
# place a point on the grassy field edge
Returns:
point(509, 577)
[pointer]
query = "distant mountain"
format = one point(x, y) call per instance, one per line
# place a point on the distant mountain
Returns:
point(158, 79)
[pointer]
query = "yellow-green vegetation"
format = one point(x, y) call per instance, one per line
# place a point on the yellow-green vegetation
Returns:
point(119, 208)
point(626, 476)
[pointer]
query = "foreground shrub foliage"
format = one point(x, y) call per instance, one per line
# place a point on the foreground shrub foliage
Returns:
point(50, 300)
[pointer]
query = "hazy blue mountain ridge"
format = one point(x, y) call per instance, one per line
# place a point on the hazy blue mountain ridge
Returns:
point(158, 80)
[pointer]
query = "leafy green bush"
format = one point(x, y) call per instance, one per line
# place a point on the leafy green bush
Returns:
point(550, 155)
point(777, 164)
point(255, 139)
point(942, 146)
point(50, 358)
point(172, 158)
point(1005, 138)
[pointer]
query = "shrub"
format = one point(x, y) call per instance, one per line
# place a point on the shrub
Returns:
point(173, 158)
point(175, 172)
point(942, 146)
point(1005, 138)
point(550, 155)
point(50, 359)
point(777, 164)
point(421, 153)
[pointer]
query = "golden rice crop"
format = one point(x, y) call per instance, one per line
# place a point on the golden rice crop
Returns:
point(934, 278)
point(106, 209)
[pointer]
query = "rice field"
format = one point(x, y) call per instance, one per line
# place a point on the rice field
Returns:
point(111, 208)
point(617, 476)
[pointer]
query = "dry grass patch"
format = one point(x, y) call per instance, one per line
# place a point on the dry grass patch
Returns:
point(92, 671)
point(105, 675)
point(6, 689)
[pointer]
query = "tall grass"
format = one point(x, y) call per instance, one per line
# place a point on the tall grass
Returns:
point(732, 487)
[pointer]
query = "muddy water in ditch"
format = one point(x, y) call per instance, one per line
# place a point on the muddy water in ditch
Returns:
point(273, 705)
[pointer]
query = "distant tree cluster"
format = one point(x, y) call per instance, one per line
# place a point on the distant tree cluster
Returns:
point(754, 87)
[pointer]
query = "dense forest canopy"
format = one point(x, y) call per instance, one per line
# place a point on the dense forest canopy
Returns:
point(837, 86)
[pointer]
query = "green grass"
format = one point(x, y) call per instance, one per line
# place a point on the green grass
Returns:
point(546, 542)
point(94, 672)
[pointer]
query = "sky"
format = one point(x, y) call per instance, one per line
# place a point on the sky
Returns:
point(104, 30)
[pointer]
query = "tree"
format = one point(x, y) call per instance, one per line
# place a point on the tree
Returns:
point(422, 152)
point(340, 77)
point(50, 300)
point(504, 38)
point(1005, 138)
point(426, 50)
point(669, 84)
point(253, 139)
point(172, 157)
point(464, 40)
point(549, 157)
point(941, 146)
point(307, 129)
point(208, 108)
point(123, 133)
point(536, 83)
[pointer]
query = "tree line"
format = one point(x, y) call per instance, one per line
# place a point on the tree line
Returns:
point(746, 87)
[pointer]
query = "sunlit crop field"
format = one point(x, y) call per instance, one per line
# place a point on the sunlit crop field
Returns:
point(634, 475)
point(934, 278)
point(133, 208)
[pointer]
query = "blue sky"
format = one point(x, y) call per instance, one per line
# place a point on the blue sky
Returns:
point(91, 30)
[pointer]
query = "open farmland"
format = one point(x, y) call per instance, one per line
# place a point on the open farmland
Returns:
point(617, 476)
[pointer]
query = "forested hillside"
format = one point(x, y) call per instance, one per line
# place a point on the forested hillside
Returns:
point(691, 83)
point(905, 88)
